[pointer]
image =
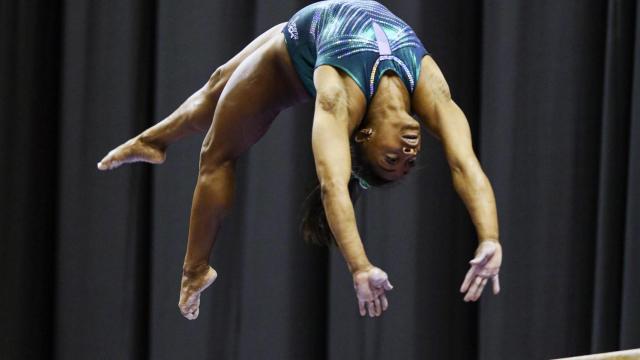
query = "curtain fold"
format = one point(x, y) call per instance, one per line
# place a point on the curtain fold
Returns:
point(29, 105)
point(613, 176)
point(630, 313)
point(102, 262)
point(92, 261)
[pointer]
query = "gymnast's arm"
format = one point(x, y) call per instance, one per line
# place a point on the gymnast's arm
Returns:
point(444, 119)
point(336, 115)
point(330, 142)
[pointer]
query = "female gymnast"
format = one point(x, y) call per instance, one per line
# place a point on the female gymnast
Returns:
point(368, 73)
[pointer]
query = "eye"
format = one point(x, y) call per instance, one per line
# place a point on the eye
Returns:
point(391, 160)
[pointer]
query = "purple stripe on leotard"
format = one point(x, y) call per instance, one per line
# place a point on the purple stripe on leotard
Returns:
point(383, 43)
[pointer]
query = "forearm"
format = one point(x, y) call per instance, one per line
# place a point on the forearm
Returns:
point(469, 180)
point(342, 221)
point(475, 190)
point(446, 121)
point(334, 119)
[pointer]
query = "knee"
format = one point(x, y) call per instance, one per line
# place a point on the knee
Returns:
point(212, 160)
point(209, 160)
point(218, 78)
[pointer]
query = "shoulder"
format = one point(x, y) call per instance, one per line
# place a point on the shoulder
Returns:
point(335, 86)
point(432, 87)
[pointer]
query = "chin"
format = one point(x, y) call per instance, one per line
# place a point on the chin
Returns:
point(388, 176)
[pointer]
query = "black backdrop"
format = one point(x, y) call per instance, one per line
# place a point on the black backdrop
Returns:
point(91, 261)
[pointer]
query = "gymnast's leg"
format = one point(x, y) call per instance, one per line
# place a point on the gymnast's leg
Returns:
point(193, 116)
point(263, 84)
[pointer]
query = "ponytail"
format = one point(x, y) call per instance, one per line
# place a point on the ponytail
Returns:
point(314, 227)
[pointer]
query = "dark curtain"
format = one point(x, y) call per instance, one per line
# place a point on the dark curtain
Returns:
point(91, 261)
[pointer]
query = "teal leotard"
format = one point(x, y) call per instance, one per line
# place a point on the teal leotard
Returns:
point(362, 38)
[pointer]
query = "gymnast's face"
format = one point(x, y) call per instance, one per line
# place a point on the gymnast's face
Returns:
point(390, 149)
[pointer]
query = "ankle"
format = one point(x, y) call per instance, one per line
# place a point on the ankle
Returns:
point(195, 269)
point(148, 140)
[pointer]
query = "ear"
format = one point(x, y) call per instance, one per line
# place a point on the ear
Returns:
point(363, 135)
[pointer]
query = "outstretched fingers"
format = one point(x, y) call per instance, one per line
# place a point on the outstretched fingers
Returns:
point(475, 296)
point(370, 287)
point(473, 288)
point(483, 267)
point(374, 304)
point(373, 307)
point(475, 281)
point(377, 306)
point(363, 311)
point(372, 310)
point(467, 279)
point(384, 302)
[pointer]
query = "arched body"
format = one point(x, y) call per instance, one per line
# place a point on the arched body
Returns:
point(242, 98)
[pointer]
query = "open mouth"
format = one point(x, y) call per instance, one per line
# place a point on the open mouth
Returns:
point(411, 139)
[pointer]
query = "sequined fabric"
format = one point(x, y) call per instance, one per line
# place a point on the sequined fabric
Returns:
point(362, 38)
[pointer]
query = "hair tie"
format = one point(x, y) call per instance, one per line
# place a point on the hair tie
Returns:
point(362, 182)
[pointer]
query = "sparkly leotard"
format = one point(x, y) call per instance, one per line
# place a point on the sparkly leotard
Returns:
point(362, 38)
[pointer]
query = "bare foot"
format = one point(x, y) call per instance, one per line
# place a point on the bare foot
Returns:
point(133, 150)
point(193, 283)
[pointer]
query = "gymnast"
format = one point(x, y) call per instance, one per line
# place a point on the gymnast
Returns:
point(368, 73)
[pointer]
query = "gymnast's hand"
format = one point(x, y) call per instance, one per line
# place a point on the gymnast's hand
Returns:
point(370, 286)
point(484, 267)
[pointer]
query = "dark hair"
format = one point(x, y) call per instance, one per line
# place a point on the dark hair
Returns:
point(314, 226)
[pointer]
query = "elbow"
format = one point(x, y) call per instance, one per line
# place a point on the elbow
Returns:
point(333, 187)
point(331, 99)
point(460, 165)
point(469, 173)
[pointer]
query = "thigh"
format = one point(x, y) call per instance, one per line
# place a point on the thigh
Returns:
point(235, 61)
point(261, 86)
